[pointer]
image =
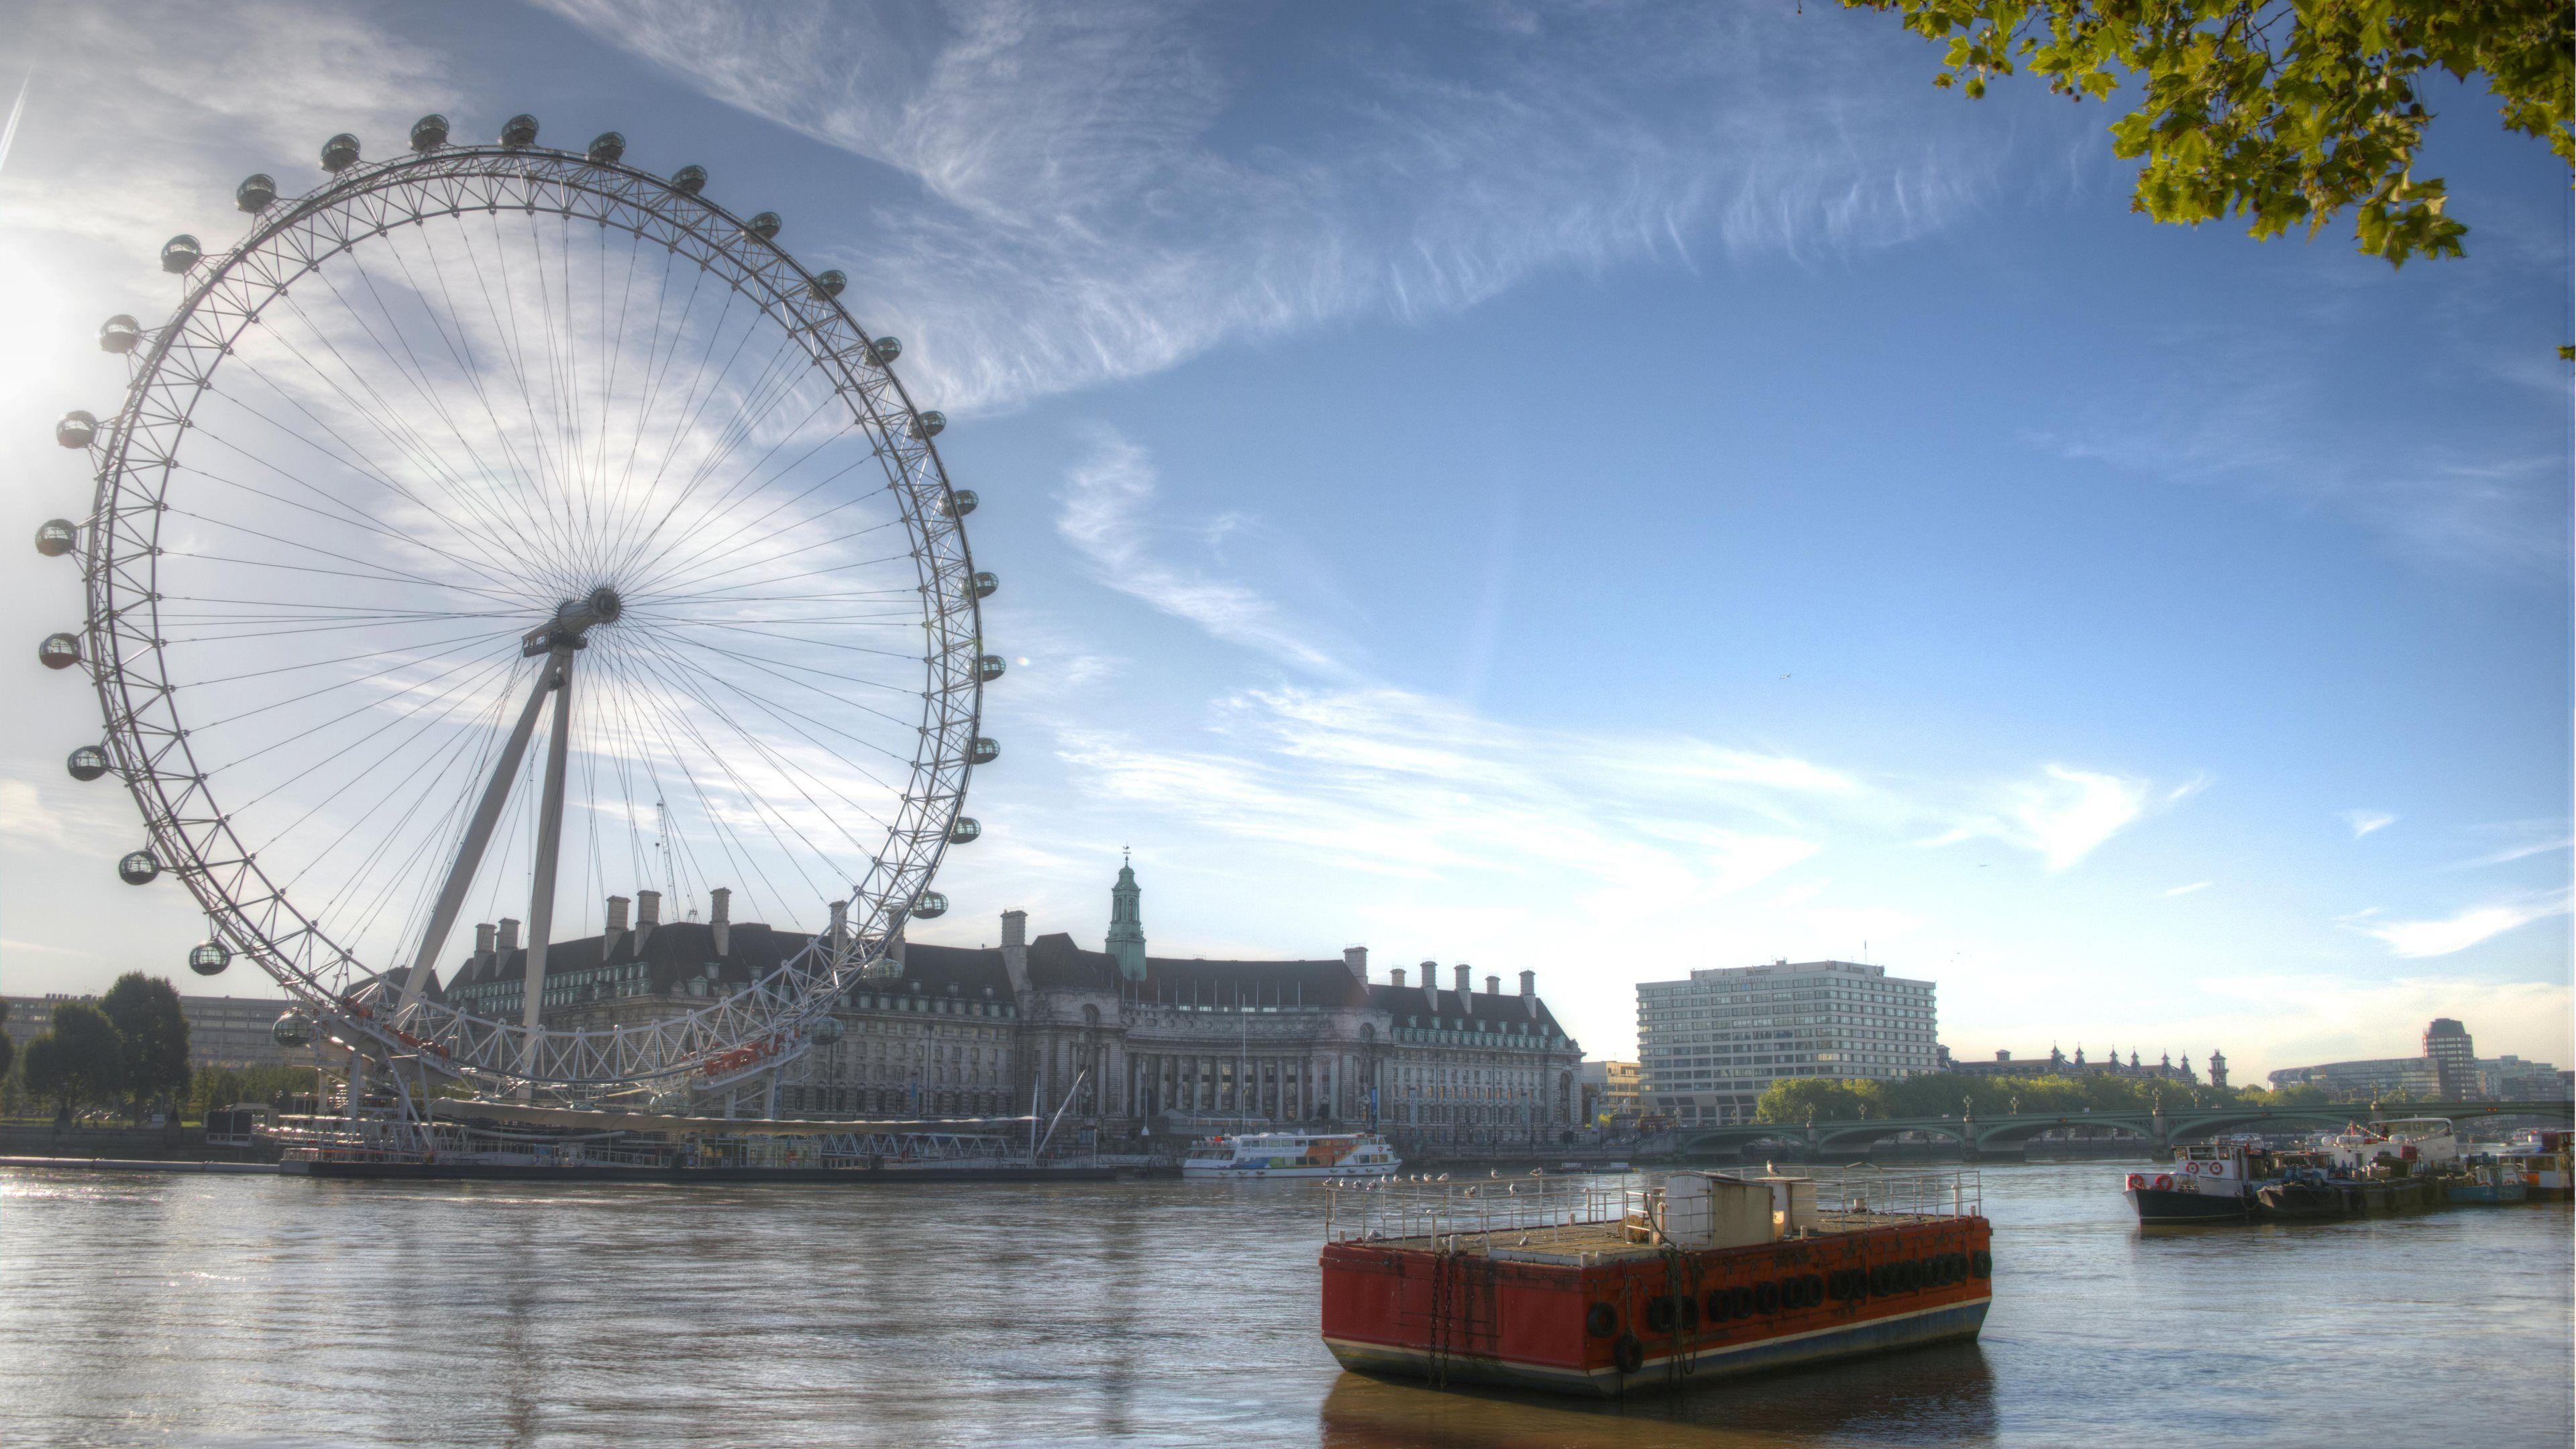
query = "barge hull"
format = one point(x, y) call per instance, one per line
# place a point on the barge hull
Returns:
point(1577, 1310)
point(1952, 1323)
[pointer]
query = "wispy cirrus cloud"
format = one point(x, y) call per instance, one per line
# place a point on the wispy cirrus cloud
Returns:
point(1096, 191)
point(2447, 935)
point(1106, 517)
point(2195, 886)
point(2062, 816)
point(2363, 822)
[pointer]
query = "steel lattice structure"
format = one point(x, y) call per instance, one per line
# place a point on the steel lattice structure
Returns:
point(140, 514)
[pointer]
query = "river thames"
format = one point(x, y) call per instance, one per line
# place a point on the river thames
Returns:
point(261, 1310)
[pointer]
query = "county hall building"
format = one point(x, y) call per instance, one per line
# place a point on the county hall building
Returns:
point(1122, 1041)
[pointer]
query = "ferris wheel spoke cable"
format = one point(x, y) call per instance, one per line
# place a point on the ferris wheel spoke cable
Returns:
point(634, 561)
point(352, 682)
point(659, 587)
point(355, 461)
point(276, 745)
point(360, 873)
point(796, 674)
point(770, 818)
point(727, 839)
point(630, 547)
point(679, 662)
point(467, 640)
point(359, 521)
point(662, 572)
point(460, 349)
point(384, 418)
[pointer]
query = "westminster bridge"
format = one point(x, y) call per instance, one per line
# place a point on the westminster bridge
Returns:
point(2008, 1132)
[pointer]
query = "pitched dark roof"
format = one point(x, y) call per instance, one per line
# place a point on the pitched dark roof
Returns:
point(670, 952)
point(1413, 1001)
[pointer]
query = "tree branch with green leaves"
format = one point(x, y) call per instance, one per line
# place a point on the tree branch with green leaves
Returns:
point(2287, 114)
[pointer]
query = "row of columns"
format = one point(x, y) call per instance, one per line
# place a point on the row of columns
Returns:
point(1284, 1087)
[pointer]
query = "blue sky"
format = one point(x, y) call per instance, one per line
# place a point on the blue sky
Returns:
point(1601, 489)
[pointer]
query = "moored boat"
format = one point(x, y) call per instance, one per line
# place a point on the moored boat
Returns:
point(2212, 1182)
point(1601, 1291)
point(2539, 1156)
point(1292, 1154)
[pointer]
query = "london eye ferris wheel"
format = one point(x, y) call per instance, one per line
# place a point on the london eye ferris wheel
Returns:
point(498, 526)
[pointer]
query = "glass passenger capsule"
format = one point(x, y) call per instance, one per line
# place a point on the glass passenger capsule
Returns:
point(985, 750)
point(519, 130)
point(989, 667)
point(689, 180)
point(138, 868)
point(119, 334)
point(982, 584)
point(828, 285)
point(209, 958)
point(256, 193)
point(429, 133)
point(59, 651)
point(825, 1030)
point(885, 350)
point(180, 253)
point(959, 502)
point(965, 830)
point(292, 1029)
point(87, 763)
point(56, 537)
point(928, 425)
point(607, 148)
point(340, 153)
point(764, 226)
point(929, 906)
point(76, 429)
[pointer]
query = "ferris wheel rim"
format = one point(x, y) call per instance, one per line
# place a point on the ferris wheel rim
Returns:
point(131, 673)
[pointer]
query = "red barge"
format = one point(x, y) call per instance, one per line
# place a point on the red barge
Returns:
point(1602, 1291)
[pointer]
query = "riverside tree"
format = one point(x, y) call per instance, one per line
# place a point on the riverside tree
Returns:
point(77, 1061)
point(154, 1034)
point(2287, 114)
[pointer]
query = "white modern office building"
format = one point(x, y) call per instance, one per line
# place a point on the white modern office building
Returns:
point(1710, 1046)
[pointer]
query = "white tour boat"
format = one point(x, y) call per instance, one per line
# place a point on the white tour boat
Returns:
point(1292, 1154)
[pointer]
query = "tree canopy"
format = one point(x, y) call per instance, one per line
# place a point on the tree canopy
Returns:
point(77, 1061)
point(2284, 113)
point(8, 1047)
point(154, 1034)
point(1840, 1099)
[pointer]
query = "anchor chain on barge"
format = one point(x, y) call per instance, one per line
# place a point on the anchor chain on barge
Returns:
point(1603, 1291)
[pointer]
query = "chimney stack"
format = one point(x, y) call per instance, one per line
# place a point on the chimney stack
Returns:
point(1356, 958)
point(839, 935)
point(483, 939)
point(1015, 950)
point(616, 914)
point(648, 909)
point(1466, 983)
point(1529, 983)
point(1397, 976)
point(720, 917)
point(509, 941)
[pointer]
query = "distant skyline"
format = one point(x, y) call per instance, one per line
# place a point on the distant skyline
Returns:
point(1606, 491)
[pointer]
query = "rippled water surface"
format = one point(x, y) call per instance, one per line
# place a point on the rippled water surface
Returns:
point(255, 1310)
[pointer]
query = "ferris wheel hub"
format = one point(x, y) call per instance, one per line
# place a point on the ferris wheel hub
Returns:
point(573, 619)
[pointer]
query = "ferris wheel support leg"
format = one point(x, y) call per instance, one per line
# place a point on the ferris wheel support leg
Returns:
point(469, 856)
point(541, 900)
